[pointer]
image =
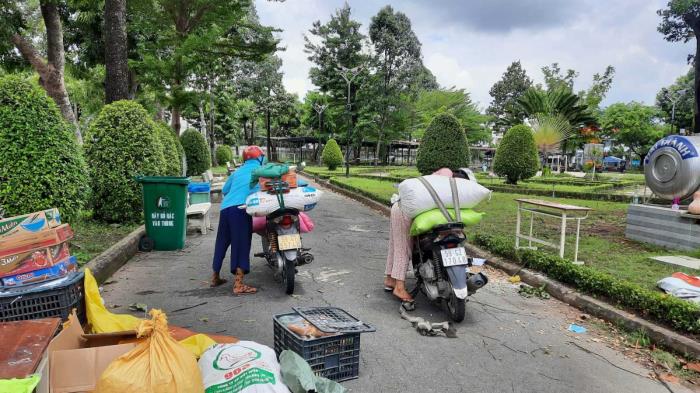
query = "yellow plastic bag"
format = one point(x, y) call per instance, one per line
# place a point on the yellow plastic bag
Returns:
point(197, 344)
point(157, 365)
point(101, 320)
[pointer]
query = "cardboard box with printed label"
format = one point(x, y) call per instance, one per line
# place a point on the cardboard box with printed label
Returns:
point(33, 260)
point(30, 223)
point(76, 362)
point(28, 241)
point(58, 270)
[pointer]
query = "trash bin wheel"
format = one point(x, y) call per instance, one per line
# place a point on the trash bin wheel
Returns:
point(146, 244)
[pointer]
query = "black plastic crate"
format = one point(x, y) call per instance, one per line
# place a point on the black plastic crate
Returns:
point(43, 301)
point(335, 357)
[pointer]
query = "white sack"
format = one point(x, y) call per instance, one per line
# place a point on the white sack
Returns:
point(245, 367)
point(301, 198)
point(415, 199)
point(679, 288)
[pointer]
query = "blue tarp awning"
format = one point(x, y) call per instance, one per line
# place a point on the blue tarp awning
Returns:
point(612, 160)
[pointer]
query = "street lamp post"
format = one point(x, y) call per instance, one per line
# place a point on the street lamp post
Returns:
point(349, 74)
point(674, 100)
point(319, 108)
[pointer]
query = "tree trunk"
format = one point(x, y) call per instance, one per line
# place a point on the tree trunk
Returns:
point(212, 141)
point(116, 66)
point(175, 120)
point(50, 71)
point(251, 141)
point(269, 140)
point(202, 120)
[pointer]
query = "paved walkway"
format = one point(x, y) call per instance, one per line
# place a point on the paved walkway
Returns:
point(506, 344)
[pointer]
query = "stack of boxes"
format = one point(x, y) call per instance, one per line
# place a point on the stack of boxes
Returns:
point(34, 248)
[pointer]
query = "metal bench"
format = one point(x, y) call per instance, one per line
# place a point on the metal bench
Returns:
point(202, 212)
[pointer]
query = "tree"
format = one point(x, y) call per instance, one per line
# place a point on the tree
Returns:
point(682, 93)
point(633, 125)
point(680, 21)
point(41, 164)
point(554, 79)
point(51, 70)
point(599, 89)
point(458, 103)
point(559, 101)
point(444, 145)
point(332, 157)
point(516, 155)
point(549, 131)
point(182, 36)
point(196, 152)
point(397, 61)
point(117, 75)
point(506, 92)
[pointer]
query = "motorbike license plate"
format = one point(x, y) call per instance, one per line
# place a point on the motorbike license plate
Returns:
point(454, 257)
point(289, 242)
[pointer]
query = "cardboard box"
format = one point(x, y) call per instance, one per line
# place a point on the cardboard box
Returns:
point(290, 178)
point(75, 363)
point(58, 270)
point(33, 260)
point(28, 241)
point(31, 223)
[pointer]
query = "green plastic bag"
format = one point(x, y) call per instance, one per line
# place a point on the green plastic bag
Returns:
point(24, 385)
point(270, 170)
point(432, 218)
point(299, 378)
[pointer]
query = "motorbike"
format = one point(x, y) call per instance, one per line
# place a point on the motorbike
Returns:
point(441, 268)
point(281, 243)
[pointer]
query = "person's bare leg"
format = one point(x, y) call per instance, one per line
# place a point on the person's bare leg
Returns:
point(400, 291)
point(239, 288)
point(216, 280)
point(389, 283)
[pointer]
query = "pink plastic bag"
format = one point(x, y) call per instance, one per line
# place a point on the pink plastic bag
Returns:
point(305, 224)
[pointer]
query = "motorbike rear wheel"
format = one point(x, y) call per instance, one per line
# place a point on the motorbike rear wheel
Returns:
point(456, 308)
point(288, 276)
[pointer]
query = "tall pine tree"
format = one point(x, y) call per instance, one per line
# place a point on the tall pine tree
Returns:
point(506, 92)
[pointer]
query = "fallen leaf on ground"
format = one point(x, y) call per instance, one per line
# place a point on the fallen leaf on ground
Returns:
point(138, 307)
point(514, 279)
point(694, 366)
point(669, 378)
point(204, 319)
point(249, 320)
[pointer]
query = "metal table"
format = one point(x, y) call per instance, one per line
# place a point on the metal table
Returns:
point(550, 209)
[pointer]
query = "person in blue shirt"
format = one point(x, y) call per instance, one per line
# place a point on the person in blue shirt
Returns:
point(235, 225)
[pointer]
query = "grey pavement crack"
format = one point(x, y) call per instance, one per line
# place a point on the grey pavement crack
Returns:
point(599, 356)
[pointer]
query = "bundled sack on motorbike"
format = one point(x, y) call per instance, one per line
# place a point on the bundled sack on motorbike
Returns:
point(415, 197)
point(426, 221)
point(305, 224)
point(158, 364)
point(301, 198)
point(245, 367)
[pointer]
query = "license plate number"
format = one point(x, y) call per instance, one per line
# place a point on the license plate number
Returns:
point(289, 242)
point(454, 257)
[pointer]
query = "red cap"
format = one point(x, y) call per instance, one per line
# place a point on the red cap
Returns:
point(252, 152)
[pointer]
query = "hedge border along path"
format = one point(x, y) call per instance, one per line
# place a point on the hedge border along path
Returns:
point(689, 314)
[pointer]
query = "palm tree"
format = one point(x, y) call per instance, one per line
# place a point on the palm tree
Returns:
point(549, 131)
point(560, 101)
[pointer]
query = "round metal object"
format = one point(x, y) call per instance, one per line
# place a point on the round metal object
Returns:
point(672, 167)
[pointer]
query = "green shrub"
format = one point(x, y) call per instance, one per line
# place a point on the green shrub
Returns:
point(122, 143)
point(680, 314)
point(196, 152)
point(516, 155)
point(224, 154)
point(172, 165)
point(331, 156)
point(41, 164)
point(444, 145)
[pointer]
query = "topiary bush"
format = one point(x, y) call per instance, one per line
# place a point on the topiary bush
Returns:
point(196, 152)
point(224, 154)
point(331, 156)
point(172, 165)
point(516, 155)
point(444, 145)
point(121, 143)
point(41, 164)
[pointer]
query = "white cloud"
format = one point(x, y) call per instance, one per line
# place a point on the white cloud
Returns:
point(472, 52)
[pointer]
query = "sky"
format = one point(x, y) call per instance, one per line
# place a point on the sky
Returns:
point(470, 43)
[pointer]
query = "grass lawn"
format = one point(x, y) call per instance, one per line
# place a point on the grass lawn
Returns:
point(603, 244)
point(93, 237)
point(219, 170)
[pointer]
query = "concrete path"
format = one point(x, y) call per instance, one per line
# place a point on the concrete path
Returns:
point(506, 344)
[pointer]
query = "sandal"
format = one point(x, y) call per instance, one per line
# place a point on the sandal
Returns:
point(241, 289)
point(216, 281)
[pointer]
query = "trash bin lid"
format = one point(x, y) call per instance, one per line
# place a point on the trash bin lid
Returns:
point(163, 179)
point(199, 187)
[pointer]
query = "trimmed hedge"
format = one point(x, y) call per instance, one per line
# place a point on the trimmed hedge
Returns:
point(331, 156)
point(682, 315)
point(444, 145)
point(172, 164)
point(516, 156)
point(224, 154)
point(41, 164)
point(374, 197)
point(122, 143)
point(196, 152)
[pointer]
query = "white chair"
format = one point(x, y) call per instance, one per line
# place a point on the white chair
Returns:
point(201, 211)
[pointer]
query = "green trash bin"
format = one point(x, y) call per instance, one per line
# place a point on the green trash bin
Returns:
point(164, 210)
